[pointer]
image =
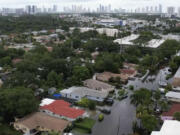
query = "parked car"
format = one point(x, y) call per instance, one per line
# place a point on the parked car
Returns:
point(162, 90)
point(123, 97)
point(163, 84)
point(106, 110)
point(109, 101)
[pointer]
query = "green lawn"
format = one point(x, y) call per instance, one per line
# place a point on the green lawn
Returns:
point(84, 126)
point(87, 122)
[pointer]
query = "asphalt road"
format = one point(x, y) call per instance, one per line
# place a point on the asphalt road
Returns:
point(119, 122)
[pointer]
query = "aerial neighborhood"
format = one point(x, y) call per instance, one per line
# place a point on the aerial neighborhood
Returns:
point(87, 73)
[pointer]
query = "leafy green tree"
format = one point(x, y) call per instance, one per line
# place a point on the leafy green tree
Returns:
point(21, 79)
point(177, 116)
point(141, 97)
point(157, 94)
point(84, 102)
point(17, 102)
point(7, 130)
point(54, 80)
point(81, 73)
point(109, 62)
point(149, 122)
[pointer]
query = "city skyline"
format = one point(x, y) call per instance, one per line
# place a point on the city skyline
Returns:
point(92, 4)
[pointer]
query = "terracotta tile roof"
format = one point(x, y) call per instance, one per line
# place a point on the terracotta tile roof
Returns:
point(63, 108)
point(174, 108)
point(40, 119)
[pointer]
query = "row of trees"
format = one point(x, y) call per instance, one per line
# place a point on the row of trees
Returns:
point(11, 24)
point(146, 101)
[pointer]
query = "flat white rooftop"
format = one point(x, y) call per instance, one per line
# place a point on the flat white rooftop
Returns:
point(172, 94)
point(169, 127)
point(127, 40)
point(46, 101)
point(155, 43)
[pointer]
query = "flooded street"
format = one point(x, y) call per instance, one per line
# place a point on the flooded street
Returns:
point(120, 120)
point(152, 85)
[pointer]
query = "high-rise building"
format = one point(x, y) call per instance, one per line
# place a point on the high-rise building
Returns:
point(160, 8)
point(179, 11)
point(28, 9)
point(147, 9)
point(171, 10)
point(55, 8)
point(109, 8)
point(19, 11)
point(156, 9)
point(33, 9)
point(151, 9)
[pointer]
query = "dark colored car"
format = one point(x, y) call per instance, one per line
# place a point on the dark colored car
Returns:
point(109, 101)
point(123, 97)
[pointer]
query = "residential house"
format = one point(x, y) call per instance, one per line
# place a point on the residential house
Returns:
point(169, 127)
point(61, 109)
point(176, 81)
point(98, 85)
point(173, 96)
point(128, 72)
point(77, 93)
point(39, 121)
point(169, 114)
point(59, 31)
point(105, 76)
point(42, 38)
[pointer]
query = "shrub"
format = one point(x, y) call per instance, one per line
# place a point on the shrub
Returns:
point(177, 116)
point(131, 87)
point(87, 103)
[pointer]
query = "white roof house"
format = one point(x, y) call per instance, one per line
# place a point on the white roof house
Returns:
point(77, 93)
point(169, 127)
point(127, 40)
point(173, 96)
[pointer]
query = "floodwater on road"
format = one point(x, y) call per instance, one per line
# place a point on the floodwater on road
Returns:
point(151, 85)
point(119, 122)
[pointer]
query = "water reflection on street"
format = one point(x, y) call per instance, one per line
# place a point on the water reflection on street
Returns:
point(152, 85)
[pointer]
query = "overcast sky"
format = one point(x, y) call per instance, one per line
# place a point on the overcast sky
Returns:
point(93, 4)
